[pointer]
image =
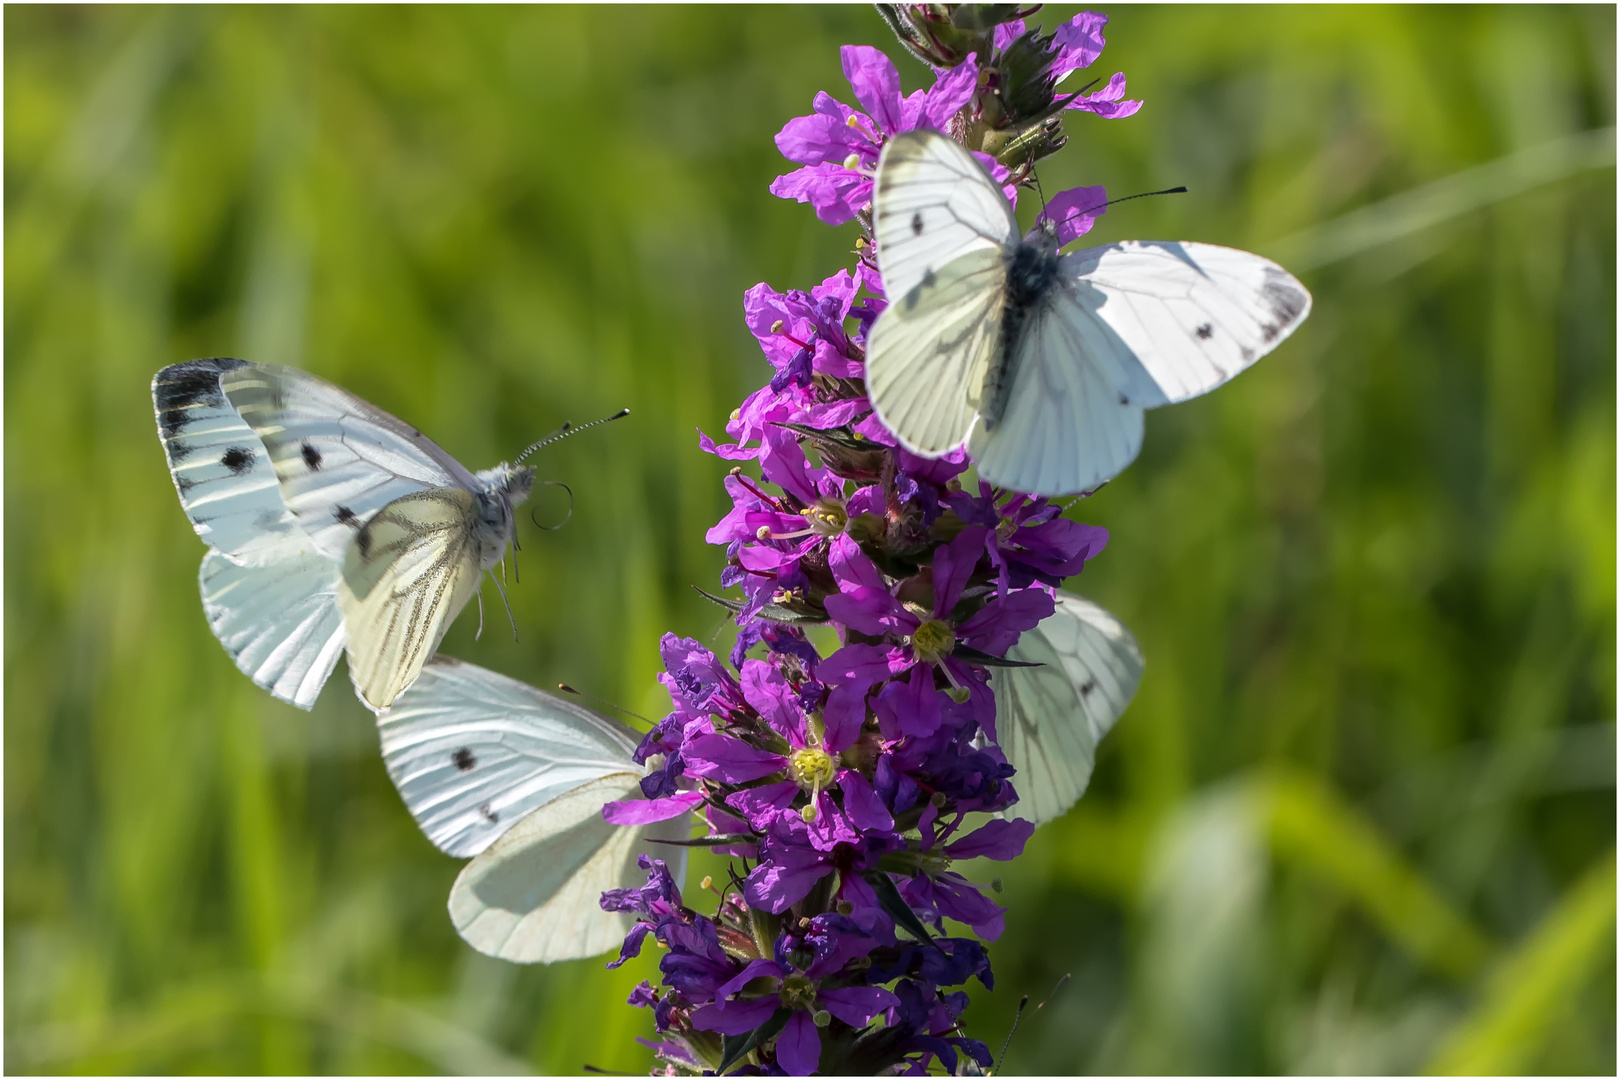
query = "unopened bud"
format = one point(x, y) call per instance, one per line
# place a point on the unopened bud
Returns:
point(938, 799)
point(995, 883)
point(822, 1018)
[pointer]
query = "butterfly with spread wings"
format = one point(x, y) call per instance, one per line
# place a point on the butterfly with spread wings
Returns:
point(331, 525)
point(517, 778)
point(1043, 363)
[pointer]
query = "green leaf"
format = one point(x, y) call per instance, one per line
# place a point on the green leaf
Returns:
point(891, 901)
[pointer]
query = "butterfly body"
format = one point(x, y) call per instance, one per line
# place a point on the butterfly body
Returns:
point(1043, 363)
point(503, 488)
point(1032, 270)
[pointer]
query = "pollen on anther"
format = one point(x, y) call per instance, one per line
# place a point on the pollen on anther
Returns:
point(852, 122)
point(852, 161)
point(763, 533)
point(776, 327)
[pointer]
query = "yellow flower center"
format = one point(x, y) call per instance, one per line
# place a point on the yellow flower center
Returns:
point(933, 639)
point(827, 517)
point(798, 992)
point(812, 768)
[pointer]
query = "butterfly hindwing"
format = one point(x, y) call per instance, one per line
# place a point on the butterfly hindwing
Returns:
point(1066, 427)
point(220, 468)
point(472, 752)
point(407, 574)
point(338, 458)
point(533, 895)
point(278, 621)
point(1049, 719)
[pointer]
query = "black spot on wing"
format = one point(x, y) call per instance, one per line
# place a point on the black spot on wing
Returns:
point(1088, 687)
point(489, 815)
point(1205, 332)
point(1123, 400)
point(183, 484)
point(311, 456)
point(1269, 332)
point(463, 760)
point(238, 459)
point(916, 224)
point(180, 388)
point(345, 516)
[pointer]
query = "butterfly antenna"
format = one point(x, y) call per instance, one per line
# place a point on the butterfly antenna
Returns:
point(478, 636)
point(1017, 1016)
point(502, 590)
point(566, 430)
point(565, 487)
point(1182, 190)
point(565, 688)
point(1059, 985)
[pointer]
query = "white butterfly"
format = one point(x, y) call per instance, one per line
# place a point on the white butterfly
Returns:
point(1049, 719)
point(493, 768)
point(1043, 363)
point(331, 523)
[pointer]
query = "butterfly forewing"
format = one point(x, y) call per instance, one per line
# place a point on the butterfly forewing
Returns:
point(1194, 315)
point(221, 469)
point(534, 895)
point(933, 204)
point(408, 573)
point(279, 621)
point(1049, 719)
point(472, 752)
point(338, 458)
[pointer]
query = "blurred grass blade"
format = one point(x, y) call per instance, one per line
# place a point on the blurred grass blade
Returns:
point(1538, 978)
point(1421, 208)
point(1316, 830)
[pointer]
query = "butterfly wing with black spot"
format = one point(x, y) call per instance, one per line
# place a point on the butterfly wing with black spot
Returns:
point(1049, 719)
point(338, 458)
point(472, 752)
point(221, 470)
point(943, 229)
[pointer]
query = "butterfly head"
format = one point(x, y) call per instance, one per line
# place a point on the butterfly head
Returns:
point(512, 481)
point(1043, 235)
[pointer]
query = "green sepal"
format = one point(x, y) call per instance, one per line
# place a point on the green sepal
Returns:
point(984, 659)
point(723, 840)
point(890, 900)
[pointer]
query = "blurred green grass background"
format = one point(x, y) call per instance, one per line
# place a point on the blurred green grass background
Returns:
point(1361, 817)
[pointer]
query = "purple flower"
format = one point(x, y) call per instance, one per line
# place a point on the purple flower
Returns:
point(1075, 45)
point(839, 146)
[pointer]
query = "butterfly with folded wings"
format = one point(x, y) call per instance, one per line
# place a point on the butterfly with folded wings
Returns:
point(1043, 363)
point(331, 525)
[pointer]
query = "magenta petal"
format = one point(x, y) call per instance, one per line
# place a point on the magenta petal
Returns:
point(810, 140)
point(761, 805)
point(876, 82)
point(910, 707)
point(739, 1018)
point(1074, 211)
point(729, 760)
point(996, 626)
point(647, 811)
point(1001, 840)
point(786, 877)
point(768, 692)
point(871, 611)
point(862, 804)
point(1078, 42)
point(753, 971)
point(851, 567)
point(798, 1048)
point(856, 1005)
point(953, 565)
point(953, 90)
